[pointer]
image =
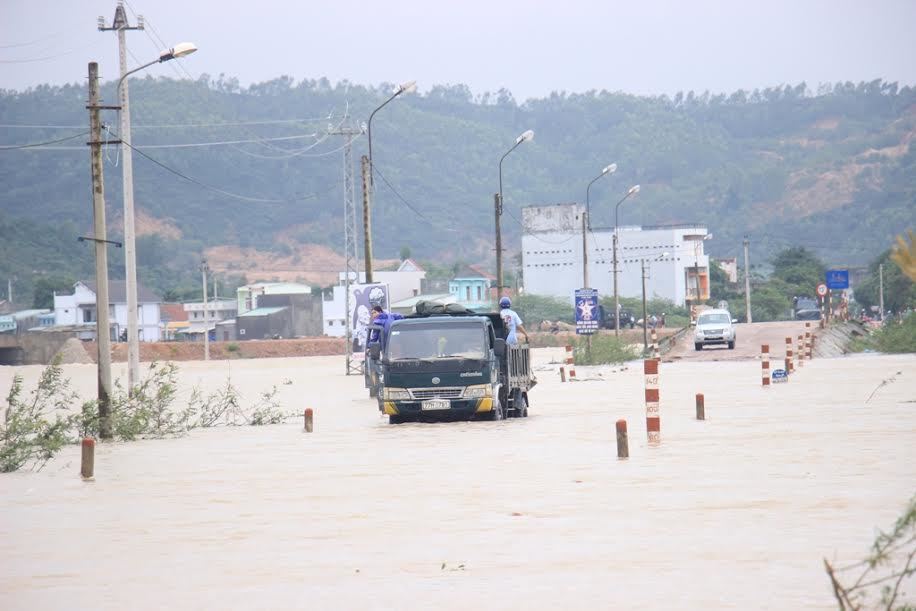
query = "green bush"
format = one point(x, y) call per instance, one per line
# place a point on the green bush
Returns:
point(232, 347)
point(605, 350)
point(892, 338)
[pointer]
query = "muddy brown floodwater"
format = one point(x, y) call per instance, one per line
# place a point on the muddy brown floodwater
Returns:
point(737, 511)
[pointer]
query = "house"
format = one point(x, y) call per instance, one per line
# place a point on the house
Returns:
point(217, 310)
point(247, 296)
point(174, 323)
point(80, 309)
point(730, 267)
point(264, 323)
point(471, 288)
point(404, 282)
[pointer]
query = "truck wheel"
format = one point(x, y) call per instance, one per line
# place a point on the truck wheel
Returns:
point(395, 419)
point(497, 412)
point(731, 345)
point(698, 346)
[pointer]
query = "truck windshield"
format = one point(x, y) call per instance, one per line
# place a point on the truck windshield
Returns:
point(425, 341)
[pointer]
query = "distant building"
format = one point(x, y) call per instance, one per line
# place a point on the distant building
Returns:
point(80, 309)
point(248, 295)
point(174, 323)
point(677, 266)
point(217, 311)
point(471, 288)
point(730, 267)
point(264, 323)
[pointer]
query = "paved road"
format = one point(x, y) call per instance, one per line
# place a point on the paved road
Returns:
point(750, 337)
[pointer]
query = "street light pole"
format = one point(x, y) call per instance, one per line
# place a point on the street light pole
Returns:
point(368, 181)
point(645, 314)
point(204, 268)
point(127, 177)
point(587, 221)
point(631, 191)
point(525, 137)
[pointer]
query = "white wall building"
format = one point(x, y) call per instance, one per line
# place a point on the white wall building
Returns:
point(218, 310)
point(552, 254)
point(80, 308)
point(247, 296)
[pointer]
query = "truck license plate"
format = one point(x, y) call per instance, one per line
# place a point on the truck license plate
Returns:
point(433, 404)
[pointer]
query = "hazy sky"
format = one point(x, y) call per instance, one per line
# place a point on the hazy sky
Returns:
point(530, 47)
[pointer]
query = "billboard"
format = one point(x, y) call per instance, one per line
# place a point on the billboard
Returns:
point(586, 311)
point(362, 298)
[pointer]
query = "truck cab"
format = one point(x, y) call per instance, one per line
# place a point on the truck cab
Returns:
point(454, 365)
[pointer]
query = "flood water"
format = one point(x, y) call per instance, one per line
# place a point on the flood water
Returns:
point(738, 511)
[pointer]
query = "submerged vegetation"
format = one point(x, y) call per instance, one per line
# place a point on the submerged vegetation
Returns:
point(38, 425)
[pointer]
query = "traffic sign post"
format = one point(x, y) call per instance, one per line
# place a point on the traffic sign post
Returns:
point(821, 290)
point(837, 279)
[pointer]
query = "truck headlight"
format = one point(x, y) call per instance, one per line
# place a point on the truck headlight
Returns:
point(478, 391)
point(396, 394)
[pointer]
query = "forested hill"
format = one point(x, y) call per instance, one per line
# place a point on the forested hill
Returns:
point(833, 170)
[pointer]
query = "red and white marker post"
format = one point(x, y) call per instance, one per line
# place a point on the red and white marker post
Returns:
point(653, 421)
point(765, 364)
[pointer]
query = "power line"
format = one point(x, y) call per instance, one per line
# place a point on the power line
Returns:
point(404, 201)
point(37, 144)
point(222, 191)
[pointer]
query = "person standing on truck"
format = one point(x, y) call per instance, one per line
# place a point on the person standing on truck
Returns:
point(512, 321)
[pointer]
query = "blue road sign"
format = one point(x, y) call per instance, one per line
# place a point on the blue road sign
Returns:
point(780, 375)
point(837, 279)
point(586, 311)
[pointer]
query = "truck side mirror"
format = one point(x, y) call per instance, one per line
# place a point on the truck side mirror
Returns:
point(374, 351)
point(499, 347)
point(734, 321)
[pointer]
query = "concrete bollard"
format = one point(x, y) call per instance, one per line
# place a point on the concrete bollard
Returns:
point(790, 366)
point(572, 374)
point(309, 420)
point(701, 407)
point(801, 351)
point(562, 374)
point(653, 420)
point(623, 445)
point(765, 364)
point(654, 338)
point(569, 355)
point(808, 340)
point(87, 461)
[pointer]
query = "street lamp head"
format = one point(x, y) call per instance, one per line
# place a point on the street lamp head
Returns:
point(525, 137)
point(179, 50)
point(408, 87)
point(609, 169)
point(633, 190)
point(708, 236)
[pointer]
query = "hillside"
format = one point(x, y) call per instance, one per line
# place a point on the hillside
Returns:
point(252, 178)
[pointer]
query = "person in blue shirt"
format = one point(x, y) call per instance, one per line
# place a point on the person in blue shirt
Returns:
point(512, 321)
point(383, 318)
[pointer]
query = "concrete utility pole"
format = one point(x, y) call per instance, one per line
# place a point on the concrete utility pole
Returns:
point(204, 268)
point(120, 25)
point(645, 314)
point(367, 221)
point(747, 280)
point(881, 289)
point(9, 290)
point(588, 338)
point(498, 210)
point(103, 331)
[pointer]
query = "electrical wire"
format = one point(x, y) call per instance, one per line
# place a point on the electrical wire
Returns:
point(32, 42)
point(38, 144)
point(222, 191)
point(405, 202)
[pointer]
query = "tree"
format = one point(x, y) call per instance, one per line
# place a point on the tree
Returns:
point(46, 287)
point(899, 290)
point(405, 252)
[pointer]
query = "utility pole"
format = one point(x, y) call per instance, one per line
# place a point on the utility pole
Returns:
point(881, 289)
point(9, 290)
point(204, 268)
point(498, 210)
point(588, 338)
point(747, 280)
point(103, 329)
point(120, 25)
point(367, 221)
point(645, 314)
point(616, 298)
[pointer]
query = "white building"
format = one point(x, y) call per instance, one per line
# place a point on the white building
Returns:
point(552, 253)
point(247, 296)
point(80, 308)
point(218, 310)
